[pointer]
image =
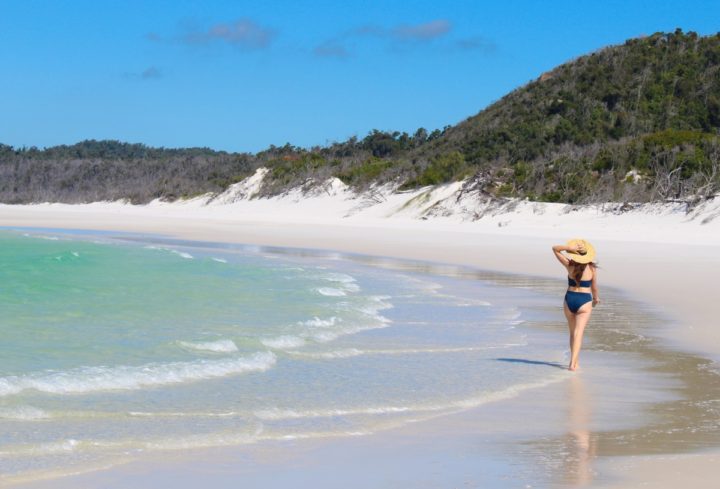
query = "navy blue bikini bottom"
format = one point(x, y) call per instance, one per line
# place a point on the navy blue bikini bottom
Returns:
point(575, 300)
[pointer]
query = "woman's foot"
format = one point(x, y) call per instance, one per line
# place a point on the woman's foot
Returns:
point(573, 368)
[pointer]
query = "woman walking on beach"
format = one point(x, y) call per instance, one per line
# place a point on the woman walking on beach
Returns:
point(582, 293)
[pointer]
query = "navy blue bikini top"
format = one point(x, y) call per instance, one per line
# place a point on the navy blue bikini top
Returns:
point(583, 283)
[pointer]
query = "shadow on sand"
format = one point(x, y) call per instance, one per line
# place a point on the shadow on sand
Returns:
point(532, 362)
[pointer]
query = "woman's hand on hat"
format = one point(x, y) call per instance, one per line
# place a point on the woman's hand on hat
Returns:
point(576, 248)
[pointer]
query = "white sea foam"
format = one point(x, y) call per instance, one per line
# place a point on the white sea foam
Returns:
point(49, 448)
point(58, 447)
point(374, 306)
point(278, 414)
point(323, 330)
point(171, 443)
point(507, 393)
point(331, 292)
point(316, 322)
point(206, 440)
point(345, 281)
point(354, 352)
point(283, 342)
point(344, 353)
point(377, 303)
point(326, 330)
point(182, 254)
point(273, 414)
point(371, 307)
point(220, 260)
point(326, 336)
point(234, 439)
point(373, 314)
point(179, 414)
point(219, 346)
point(471, 303)
point(90, 379)
point(202, 441)
point(176, 443)
point(23, 413)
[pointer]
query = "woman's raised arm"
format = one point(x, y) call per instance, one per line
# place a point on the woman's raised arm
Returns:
point(557, 249)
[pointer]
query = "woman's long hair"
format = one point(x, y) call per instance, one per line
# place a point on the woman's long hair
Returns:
point(578, 269)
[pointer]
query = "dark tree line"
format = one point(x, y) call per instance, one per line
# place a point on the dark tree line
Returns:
point(108, 170)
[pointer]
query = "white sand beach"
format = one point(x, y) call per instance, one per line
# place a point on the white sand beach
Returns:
point(658, 255)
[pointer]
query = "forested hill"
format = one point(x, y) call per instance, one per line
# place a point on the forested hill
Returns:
point(638, 121)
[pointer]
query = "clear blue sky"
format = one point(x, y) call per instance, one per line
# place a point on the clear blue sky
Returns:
point(241, 75)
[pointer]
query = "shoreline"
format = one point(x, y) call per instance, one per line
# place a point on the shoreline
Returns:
point(642, 266)
point(542, 430)
point(420, 241)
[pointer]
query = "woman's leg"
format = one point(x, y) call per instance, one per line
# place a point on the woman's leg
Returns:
point(570, 316)
point(581, 319)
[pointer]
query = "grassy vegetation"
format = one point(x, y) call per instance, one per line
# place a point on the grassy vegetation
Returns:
point(442, 168)
point(366, 172)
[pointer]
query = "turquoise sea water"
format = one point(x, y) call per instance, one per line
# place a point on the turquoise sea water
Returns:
point(116, 346)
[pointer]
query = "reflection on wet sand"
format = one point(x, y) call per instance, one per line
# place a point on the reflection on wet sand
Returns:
point(580, 447)
point(682, 417)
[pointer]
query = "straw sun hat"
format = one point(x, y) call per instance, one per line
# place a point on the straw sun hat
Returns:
point(586, 257)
